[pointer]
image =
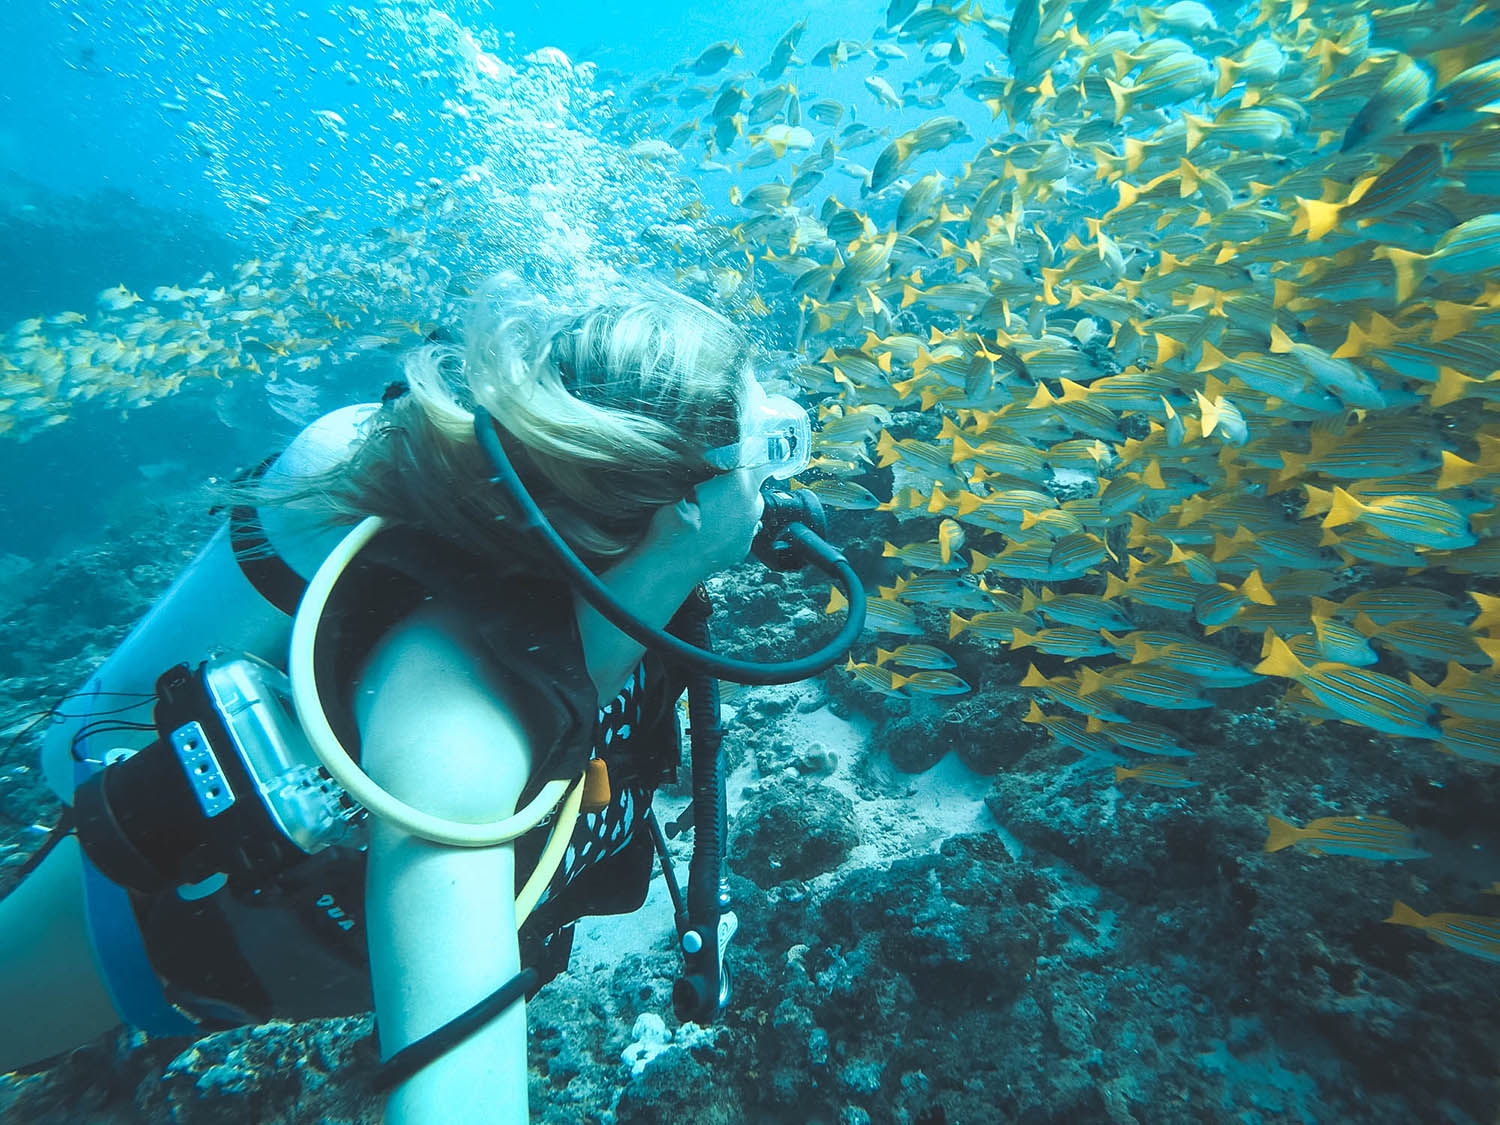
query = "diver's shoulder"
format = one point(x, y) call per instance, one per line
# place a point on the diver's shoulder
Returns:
point(437, 728)
point(433, 646)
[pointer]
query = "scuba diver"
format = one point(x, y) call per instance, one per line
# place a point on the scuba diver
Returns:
point(390, 767)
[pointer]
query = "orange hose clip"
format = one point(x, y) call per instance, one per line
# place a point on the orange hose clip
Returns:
point(595, 786)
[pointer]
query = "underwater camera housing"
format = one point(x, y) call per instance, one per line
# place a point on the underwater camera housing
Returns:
point(230, 786)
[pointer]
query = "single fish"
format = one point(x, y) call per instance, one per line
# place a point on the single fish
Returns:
point(915, 656)
point(1169, 775)
point(1368, 837)
point(715, 58)
point(1357, 694)
point(1474, 934)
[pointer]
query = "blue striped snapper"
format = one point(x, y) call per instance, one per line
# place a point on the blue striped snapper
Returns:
point(1360, 544)
point(940, 587)
point(1068, 641)
point(1100, 703)
point(1384, 604)
point(1089, 611)
point(1470, 247)
point(1333, 639)
point(936, 554)
point(1181, 653)
point(1044, 560)
point(1435, 640)
point(1477, 740)
point(915, 656)
point(1462, 692)
point(1069, 731)
point(1169, 775)
point(1360, 695)
point(874, 677)
point(844, 494)
point(881, 614)
point(1143, 737)
point(930, 681)
point(1474, 934)
point(1366, 837)
point(1155, 586)
point(1151, 685)
point(996, 625)
point(1423, 520)
point(1219, 604)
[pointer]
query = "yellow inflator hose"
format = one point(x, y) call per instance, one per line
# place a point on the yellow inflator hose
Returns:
point(380, 803)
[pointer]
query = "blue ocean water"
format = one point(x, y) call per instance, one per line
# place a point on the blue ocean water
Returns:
point(953, 910)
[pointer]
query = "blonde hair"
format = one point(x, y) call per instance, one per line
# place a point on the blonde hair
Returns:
point(606, 416)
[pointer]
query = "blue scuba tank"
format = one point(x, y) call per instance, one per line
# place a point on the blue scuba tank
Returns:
point(211, 607)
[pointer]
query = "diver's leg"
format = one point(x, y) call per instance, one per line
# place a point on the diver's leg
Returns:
point(51, 995)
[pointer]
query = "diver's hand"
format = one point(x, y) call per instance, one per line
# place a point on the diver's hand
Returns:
point(712, 527)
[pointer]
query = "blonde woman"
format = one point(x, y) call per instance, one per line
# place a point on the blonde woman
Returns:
point(459, 668)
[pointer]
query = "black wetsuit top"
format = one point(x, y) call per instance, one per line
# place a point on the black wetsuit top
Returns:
point(296, 948)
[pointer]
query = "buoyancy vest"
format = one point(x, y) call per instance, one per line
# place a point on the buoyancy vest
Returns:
point(228, 957)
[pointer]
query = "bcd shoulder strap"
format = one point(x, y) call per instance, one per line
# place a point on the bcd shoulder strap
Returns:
point(262, 567)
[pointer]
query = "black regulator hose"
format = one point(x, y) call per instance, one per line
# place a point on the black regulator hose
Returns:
point(700, 991)
point(786, 541)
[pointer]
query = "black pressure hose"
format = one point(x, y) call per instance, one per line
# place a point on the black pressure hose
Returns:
point(794, 543)
point(696, 995)
point(790, 538)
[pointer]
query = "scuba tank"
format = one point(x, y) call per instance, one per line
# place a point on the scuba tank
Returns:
point(211, 605)
point(219, 601)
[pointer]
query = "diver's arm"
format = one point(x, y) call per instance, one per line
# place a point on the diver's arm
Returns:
point(701, 534)
point(438, 734)
point(651, 584)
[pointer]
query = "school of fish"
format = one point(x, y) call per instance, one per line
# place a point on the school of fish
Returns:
point(1199, 344)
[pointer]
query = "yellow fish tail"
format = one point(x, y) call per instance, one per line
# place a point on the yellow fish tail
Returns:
point(1403, 915)
point(1228, 71)
point(1410, 269)
point(1282, 834)
point(1121, 95)
point(1316, 217)
point(1342, 508)
point(1280, 661)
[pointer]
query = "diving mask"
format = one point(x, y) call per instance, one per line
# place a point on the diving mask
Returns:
point(775, 436)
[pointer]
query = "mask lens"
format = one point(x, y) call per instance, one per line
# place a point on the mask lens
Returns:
point(789, 437)
point(777, 437)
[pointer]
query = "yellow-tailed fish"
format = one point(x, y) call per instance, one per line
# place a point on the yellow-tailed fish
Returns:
point(1478, 740)
point(873, 677)
point(915, 656)
point(1423, 520)
point(1168, 775)
point(1368, 837)
point(997, 625)
point(1068, 730)
point(1144, 737)
point(1474, 934)
point(1433, 640)
point(931, 681)
point(1155, 687)
point(1061, 689)
point(1067, 641)
point(1088, 611)
point(1357, 694)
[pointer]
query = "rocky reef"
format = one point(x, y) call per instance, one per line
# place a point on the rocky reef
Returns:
point(944, 917)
